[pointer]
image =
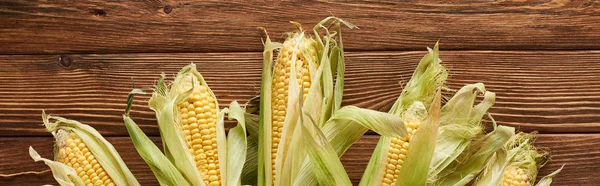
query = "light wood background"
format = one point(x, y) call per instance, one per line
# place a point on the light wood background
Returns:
point(76, 60)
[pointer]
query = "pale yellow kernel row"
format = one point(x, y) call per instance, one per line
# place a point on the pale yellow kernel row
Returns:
point(280, 88)
point(198, 115)
point(514, 176)
point(397, 154)
point(75, 153)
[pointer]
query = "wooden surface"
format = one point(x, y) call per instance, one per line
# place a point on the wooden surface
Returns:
point(76, 59)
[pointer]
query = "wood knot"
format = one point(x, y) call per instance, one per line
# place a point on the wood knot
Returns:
point(64, 60)
point(168, 9)
point(98, 12)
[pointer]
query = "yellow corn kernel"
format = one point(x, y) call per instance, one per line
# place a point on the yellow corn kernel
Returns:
point(73, 152)
point(515, 176)
point(292, 56)
point(397, 154)
point(198, 116)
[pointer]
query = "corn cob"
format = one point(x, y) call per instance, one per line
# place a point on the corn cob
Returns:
point(83, 156)
point(193, 133)
point(301, 91)
point(301, 94)
point(198, 118)
point(73, 152)
point(298, 51)
point(397, 153)
point(515, 176)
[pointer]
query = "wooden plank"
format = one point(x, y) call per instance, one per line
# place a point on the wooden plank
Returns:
point(97, 26)
point(553, 92)
point(579, 152)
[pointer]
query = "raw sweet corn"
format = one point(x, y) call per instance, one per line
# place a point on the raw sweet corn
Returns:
point(198, 118)
point(73, 152)
point(297, 52)
point(83, 156)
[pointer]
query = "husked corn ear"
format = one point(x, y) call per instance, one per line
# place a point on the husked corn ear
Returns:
point(198, 115)
point(397, 153)
point(296, 54)
point(82, 156)
point(73, 152)
point(515, 176)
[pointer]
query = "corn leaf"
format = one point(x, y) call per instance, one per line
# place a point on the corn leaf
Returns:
point(375, 169)
point(476, 157)
point(346, 127)
point(223, 150)
point(372, 174)
point(250, 168)
point(265, 174)
point(354, 117)
point(428, 77)
point(415, 169)
point(547, 180)
point(324, 90)
point(493, 174)
point(338, 58)
point(63, 174)
point(460, 122)
point(327, 166)
point(166, 173)
point(236, 144)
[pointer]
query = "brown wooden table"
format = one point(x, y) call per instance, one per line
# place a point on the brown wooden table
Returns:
point(542, 58)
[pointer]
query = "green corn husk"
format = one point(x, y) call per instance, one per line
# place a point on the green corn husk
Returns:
point(547, 180)
point(519, 153)
point(473, 160)
point(250, 169)
point(460, 123)
point(63, 174)
point(237, 144)
point(418, 159)
point(165, 172)
point(106, 155)
point(418, 101)
point(307, 154)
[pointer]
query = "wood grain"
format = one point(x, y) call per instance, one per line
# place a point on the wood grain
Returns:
point(578, 152)
point(552, 92)
point(97, 26)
